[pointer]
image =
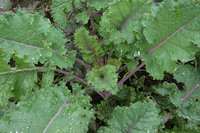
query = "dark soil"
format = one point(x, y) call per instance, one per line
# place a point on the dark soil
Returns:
point(27, 3)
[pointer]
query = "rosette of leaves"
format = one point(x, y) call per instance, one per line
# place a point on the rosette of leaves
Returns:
point(52, 109)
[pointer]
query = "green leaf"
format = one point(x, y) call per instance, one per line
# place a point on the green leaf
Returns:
point(47, 79)
point(18, 85)
point(138, 118)
point(104, 78)
point(88, 45)
point(119, 22)
point(169, 30)
point(59, 11)
point(99, 4)
point(68, 112)
point(83, 16)
point(171, 91)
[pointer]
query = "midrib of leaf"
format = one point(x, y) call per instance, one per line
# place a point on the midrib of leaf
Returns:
point(132, 125)
point(60, 109)
point(123, 25)
point(21, 70)
point(161, 43)
point(30, 46)
point(88, 44)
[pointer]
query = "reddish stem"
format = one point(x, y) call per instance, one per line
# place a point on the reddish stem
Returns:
point(91, 19)
point(190, 92)
point(97, 14)
point(130, 74)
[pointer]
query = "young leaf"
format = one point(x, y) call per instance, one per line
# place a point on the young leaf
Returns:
point(169, 30)
point(99, 4)
point(60, 9)
point(52, 109)
point(88, 45)
point(139, 117)
point(104, 78)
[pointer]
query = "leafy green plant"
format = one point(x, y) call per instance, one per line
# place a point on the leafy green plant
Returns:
point(53, 81)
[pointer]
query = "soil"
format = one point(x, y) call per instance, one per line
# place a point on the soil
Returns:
point(27, 3)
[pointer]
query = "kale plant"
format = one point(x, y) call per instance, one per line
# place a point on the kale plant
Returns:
point(127, 66)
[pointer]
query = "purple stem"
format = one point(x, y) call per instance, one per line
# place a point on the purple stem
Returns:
point(21, 70)
point(190, 92)
point(167, 117)
point(84, 82)
point(130, 74)
point(60, 109)
point(171, 36)
point(132, 126)
point(45, 10)
point(91, 19)
point(102, 41)
point(120, 70)
point(97, 14)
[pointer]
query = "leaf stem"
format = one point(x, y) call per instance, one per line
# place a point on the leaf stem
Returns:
point(91, 19)
point(130, 74)
point(85, 83)
point(21, 70)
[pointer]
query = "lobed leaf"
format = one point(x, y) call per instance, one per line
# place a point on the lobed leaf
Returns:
point(31, 37)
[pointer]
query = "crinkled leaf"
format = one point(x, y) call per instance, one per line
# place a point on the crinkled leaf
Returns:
point(138, 118)
point(67, 112)
point(169, 30)
point(88, 45)
point(104, 78)
point(31, 38)
point(60, 10)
